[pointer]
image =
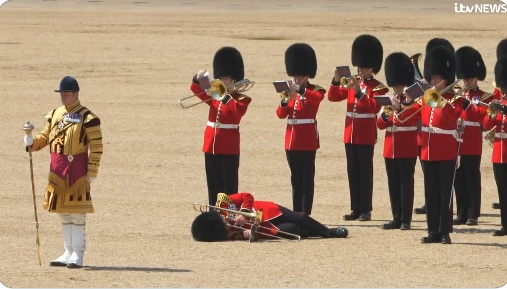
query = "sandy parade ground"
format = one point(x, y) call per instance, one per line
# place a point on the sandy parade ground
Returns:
point(134, 59)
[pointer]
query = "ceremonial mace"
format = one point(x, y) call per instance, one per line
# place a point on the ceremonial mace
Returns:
point(28, 127)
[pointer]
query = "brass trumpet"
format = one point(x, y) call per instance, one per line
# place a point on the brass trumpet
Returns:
point(344, 81)
point(285, 96)
point(388, 110)
point(219, 91)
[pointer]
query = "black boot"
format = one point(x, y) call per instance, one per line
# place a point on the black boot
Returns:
point(421, 210)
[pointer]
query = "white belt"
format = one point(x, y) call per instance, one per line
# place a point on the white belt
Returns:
point(401, 128)
point(437, 130)
point(471, 123)
point(293, 121)
point(222, 125)
point(360, 115)
point(501, 134)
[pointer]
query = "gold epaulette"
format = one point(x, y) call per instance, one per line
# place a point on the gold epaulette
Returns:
point(50, 114)
point(379, 87)
point(317, 88)
point(486, 95)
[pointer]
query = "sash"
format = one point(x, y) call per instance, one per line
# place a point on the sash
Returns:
point(67, 120)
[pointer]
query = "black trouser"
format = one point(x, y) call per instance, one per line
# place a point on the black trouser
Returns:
point(422, 165)
point(438, 179)
point(467, 186)
point(500, 171)
point(299, 224)
point(221, 175)
point(360, 173)
point(400, 179)
point(302, 169)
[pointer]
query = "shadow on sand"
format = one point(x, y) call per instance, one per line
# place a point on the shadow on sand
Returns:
point(137, 269)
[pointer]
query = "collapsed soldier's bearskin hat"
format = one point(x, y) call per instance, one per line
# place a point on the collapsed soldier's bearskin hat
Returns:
point(228, 62)
point(209, 227)
point(501, 49)
point(300, 60)
point(367, 52)
point(439, 42)
point(501, 72)
point(440, 60)
point(399, 69)
point(469, 63)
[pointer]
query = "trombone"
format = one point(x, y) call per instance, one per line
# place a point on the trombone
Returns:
point(431, 97)
point(218, 91)
point(255, 225)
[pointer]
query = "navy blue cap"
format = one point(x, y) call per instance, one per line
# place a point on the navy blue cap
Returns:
point(68, 84)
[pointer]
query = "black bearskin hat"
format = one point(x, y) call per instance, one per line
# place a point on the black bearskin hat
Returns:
point(209, 227)
point(399, 69)
point(469, 63)
point(367, 52)
point(300, 60)
point(501, 72)
point(440, 60)
point(501, 49)
point(439, 41)
point(228, 62)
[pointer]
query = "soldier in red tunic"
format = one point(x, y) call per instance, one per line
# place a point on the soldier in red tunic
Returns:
point(210, 226)
point(432, 43)
point(221, 136)
point(501, 51)
point(470, 67)
point(400, 144)
point(360, 134)
point(499, 157)
point(439, 146)
point(301, 135)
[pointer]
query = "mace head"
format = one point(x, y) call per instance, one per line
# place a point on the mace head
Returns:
point(28, 127)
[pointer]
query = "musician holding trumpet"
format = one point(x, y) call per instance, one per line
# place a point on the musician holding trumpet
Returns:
point(498, 120)
point(470, 67)
point(221, 145)
point(439, 142)
point(299, 105)
point(400, 144)
point(274, 221)
point(360, 134)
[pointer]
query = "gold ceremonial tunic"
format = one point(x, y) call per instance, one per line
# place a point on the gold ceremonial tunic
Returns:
point(75, 142)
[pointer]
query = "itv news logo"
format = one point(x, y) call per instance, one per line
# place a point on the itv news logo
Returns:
point(482, 8)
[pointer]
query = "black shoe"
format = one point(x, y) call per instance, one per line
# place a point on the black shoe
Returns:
point(391, 225)
point(339, 232)
point(405, 226)
point(458, 221)
point(472, 222)
point(496, 206)
point(57, 264)
point(350, 217)
point(365, 217)
point(73, 266)
point(432, 238)
point(499, 233)
point(446, 239)
point(421, 210)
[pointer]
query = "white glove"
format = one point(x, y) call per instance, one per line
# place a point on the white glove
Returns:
point(90, 179)
point(28, 140)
